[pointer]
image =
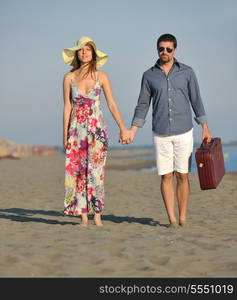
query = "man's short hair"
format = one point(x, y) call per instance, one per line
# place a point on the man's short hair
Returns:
point(167, 37)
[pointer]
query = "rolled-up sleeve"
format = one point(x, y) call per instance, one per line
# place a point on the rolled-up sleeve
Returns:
point(195, 99)
point(143, 104)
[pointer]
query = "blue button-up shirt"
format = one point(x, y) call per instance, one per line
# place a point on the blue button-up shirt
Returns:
point(172, 96)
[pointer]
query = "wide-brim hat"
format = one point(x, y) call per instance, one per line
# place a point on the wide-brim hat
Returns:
point(69, 54)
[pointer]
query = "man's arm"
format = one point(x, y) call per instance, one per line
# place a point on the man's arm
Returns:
point(206, 132)
point(197, 105)
point(142, 107)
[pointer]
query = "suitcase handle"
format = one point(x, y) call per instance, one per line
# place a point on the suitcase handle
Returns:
point(205, 144)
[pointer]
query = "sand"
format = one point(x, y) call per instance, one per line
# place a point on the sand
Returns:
point(37, 240)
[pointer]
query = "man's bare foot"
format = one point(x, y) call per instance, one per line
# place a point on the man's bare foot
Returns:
point(173, 225)
point(182, 223)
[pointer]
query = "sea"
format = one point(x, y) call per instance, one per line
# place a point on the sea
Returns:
point(230, 159)
point(229, 153)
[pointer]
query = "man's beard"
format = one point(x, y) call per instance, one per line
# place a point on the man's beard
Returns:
point(165, 58)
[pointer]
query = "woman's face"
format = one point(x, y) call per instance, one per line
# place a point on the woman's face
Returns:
point(85, 54)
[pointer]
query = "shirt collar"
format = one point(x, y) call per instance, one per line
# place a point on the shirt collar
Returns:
point(157, 64)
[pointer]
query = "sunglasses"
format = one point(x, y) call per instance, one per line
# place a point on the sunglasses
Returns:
point(161, 49)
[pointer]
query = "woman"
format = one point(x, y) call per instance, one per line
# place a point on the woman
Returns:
point(85, 132)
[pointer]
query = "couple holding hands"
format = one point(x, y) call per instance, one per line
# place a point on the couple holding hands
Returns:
point(173, 89)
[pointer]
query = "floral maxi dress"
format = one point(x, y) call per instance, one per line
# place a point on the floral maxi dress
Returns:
point(86, 153)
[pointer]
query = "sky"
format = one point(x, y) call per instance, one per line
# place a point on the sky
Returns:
point(34, 33)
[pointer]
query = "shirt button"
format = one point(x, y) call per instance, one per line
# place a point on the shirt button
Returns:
point(169, 99)
point(169, 89)
point(170, 119)
point(168, 79)
point(170, 109)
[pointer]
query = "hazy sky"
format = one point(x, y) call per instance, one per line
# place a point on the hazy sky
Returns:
point(34, 33)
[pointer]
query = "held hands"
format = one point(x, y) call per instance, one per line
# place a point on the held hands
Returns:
point(126, 136)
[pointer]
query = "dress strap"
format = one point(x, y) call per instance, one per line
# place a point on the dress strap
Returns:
point(97, 76)
point(72, 78)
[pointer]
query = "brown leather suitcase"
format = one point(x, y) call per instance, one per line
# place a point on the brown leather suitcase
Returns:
point(210, 163)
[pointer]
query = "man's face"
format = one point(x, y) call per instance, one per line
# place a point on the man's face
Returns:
point(166, 51)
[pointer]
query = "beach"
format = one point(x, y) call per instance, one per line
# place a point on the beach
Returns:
point(37, 240)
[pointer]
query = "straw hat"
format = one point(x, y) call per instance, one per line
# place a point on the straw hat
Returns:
point(70, 58)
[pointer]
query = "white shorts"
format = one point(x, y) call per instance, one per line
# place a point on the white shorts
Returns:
point(173, 153)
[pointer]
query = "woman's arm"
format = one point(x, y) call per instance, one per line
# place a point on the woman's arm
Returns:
point(124, 134)
point(67, 107)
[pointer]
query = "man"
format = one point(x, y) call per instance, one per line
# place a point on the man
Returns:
point(174, 89)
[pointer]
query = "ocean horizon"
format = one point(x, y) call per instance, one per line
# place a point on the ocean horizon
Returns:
point(229, 153)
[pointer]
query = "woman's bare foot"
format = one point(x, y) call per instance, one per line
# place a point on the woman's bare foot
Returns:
point(83, 224)
point(97, 220)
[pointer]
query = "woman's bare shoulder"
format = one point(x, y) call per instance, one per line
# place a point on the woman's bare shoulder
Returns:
point(102, 73)
point(103, 76)
point(68, 76)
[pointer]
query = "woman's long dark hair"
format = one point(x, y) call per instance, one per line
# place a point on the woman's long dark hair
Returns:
point(92, 64)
